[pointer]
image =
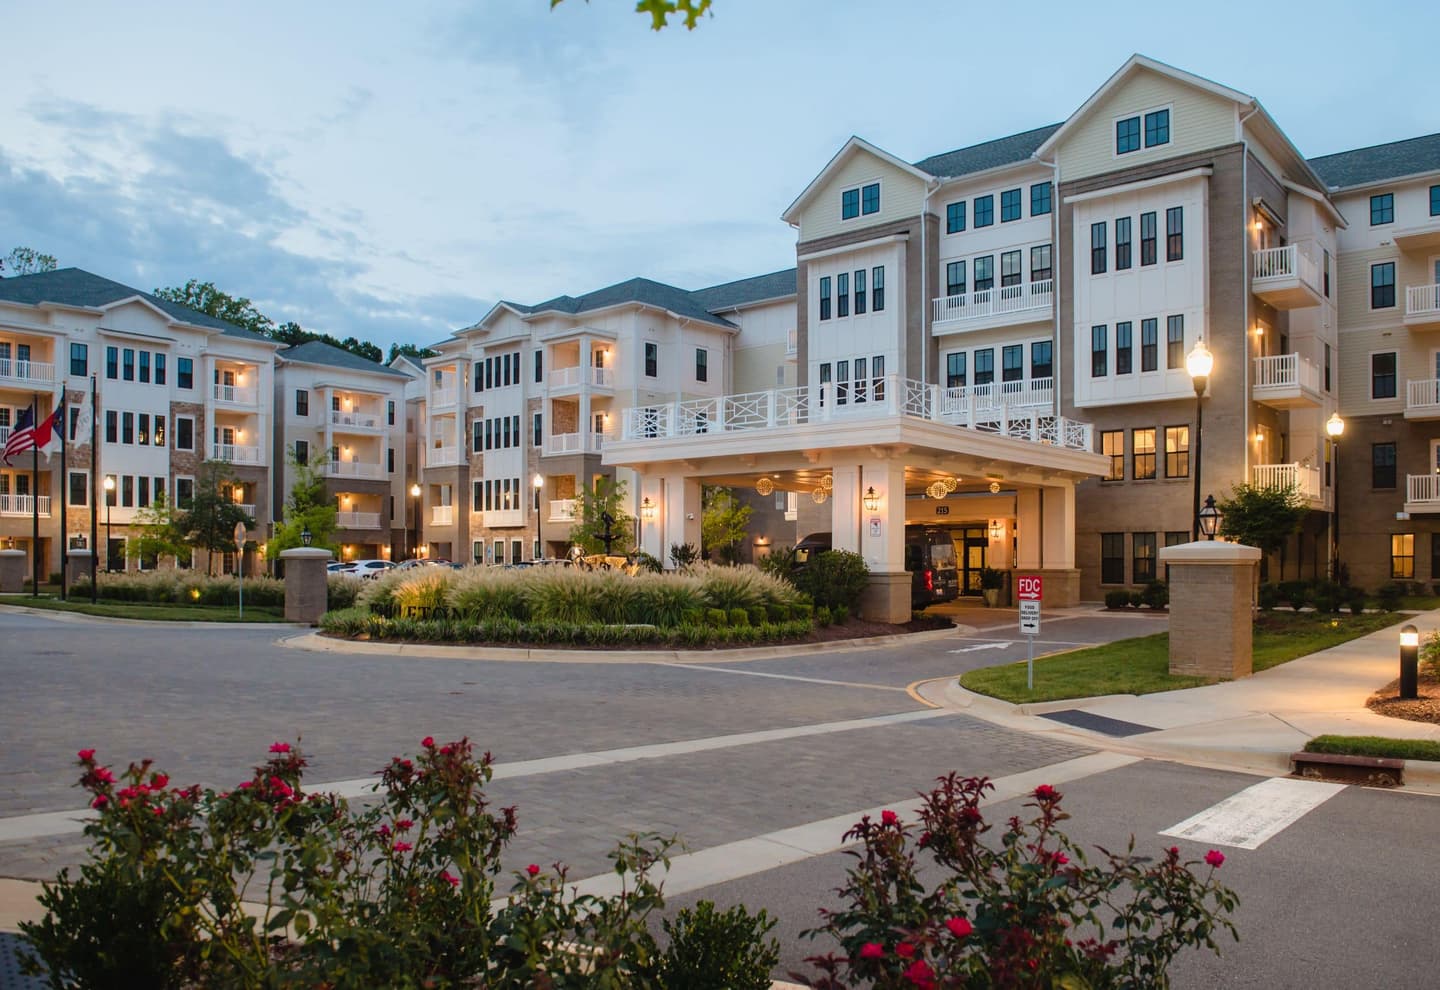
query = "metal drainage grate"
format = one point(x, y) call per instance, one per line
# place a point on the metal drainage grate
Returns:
point(10, 976)
point(1098, 723)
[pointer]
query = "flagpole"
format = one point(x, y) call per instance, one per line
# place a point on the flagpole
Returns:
point(34, 501)
point(64, 500)
point(94, 493)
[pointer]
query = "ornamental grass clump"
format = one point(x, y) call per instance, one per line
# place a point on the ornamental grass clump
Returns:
point(742, 587)
point(481, 593)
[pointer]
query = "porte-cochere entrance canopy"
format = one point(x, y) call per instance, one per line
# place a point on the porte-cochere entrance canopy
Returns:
point(877, 442)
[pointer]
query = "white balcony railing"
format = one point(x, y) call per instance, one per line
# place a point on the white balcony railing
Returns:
point(246, 508)
point(565, 377)
point(1422, 300)
point(602, 377)
point(23, 505)
point(438, 456)
point(1286, 371)
point(1419, 395)
point(235, 395)
point(443, 396)
point(1285, 263)
point(354, 469)
point(235, 453)
point(1003, 301)
point(26, 371)
point(358, 420)
point(571, 377)
point(1303, 477)
point(497, 518)
point(4, 435)
point(564, 509)
point(1422, 489)
point(357, 520)
point(575, 443)
point(1020, 410)
point(442, 515)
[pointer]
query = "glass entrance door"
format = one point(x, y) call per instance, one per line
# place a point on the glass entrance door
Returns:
point(971, 545)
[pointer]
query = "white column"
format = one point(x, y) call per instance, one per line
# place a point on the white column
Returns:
point(882, 531)
point(1059, 519)
point(652, 530)
point(845, 506)
point(680, 512)
point(1027, 521)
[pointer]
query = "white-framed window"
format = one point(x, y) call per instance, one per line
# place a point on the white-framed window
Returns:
point(1142, 130)
point(861, 200)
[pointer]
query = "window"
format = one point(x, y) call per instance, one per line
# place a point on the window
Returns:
point(1326, 273)
point(74, 423)
point(127, 490)
point(870, 199)
point(185, 433)
point(143, 437)
point(860, 292)
point(1147, 238)
point(702, 364)
point(985, 366)
point(1097, 248)
point(477, 376)
point(955, 370)
point(159, 369)
point(877, 289)
point(984, 211)
point(535, 429)
point(145, 367)
point(1012, 363)
point(1142, 562)
point(390, 459)
point(79, 360)
point(1382, 375)
point(860, 379)
point(334, 402)
point(1011, 270)
point(1142, 444)
point(1127, 135)
point(539, 367)
point(1098, 352)
point(1042, 364)
point(849, 204)
point(652, 359)
point(825, 297)
point(185, 373)
point(184, 492)
point(302, 402)
point(143, 484)
point(985, 273)
point(842, 294)
point(1327, 367)
point(824, 380)
point(877, 369)
point(1112, 558)
point(1175, 233)
point(955, 278)
point(127, 427)
point(112, 363)
point(1157, 128)
point(1177, 451)
point(1149, 350)
point(955, 217)
point(842, 382)
point(1382, 285)
point(477, 435)
point(1040, 264)
point(1124, 349)
point(302, 452)
point(1402, 556)
point(159, 434)
point(127, 364)
point(1382, 465)
point(1122, 244)
point(390, 412)
point(477, 496)
point(1040, 198)
point(1009, 205)
point(1112, 445)
point(1382, 209)
point(79, 488)
point(1175, 342)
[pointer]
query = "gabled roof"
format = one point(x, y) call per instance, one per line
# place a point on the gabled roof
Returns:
point(847, 151)
point(643, 291)
point(1378, 163)
point(77, 287)
point(319, 352)
point(987, 155)
point(742, 292)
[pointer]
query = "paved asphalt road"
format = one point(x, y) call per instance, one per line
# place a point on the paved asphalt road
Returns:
point(1342, 897)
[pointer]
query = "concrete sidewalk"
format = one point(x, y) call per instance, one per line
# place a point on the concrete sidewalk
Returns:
point(1249, 724)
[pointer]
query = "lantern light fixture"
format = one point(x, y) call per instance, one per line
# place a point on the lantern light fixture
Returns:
point(871, 500)
point(1210, 517)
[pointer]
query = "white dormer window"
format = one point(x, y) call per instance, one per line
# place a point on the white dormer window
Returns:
point(1152, 127)
point(860, 200)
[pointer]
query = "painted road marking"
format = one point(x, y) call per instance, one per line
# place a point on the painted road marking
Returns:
point(1256, 814)
point(1001, 645)
point(1007, 642)
point(780, 677)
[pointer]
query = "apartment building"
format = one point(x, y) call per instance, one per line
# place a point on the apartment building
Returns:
point(345, 416)
point(175, 388)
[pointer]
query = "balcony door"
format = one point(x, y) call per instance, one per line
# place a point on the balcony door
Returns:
point(1435, 456)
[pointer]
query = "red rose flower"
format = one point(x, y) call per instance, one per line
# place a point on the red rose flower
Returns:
point(403, 825)
point(86, 755)
point(449, 878)
point(532, 869)
point(1059, 859)
point(1215, 857)
point(888, 817)
point(920, 974)
point(872, 950)
point(1046, 793)
point(905, 950)
point(428, 742)
point(959, 927)
point(160, 780)
point(402, 847)
point(280, 747)
point(100, 801)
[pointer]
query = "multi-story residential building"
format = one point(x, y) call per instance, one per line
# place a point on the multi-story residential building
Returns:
point(175, 388)
point(345, 416)
point(1389, 304)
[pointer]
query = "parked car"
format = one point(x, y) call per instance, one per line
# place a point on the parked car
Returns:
point(339, 567)
point(929, 557)
point(370, 568)
point(413, 562)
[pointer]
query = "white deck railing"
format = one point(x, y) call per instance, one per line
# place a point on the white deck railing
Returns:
point(1303, 477)
point(354, 469)
point(1421, 394)
point(1022, 410)
point(1286, 371)
point(1286, 262)
point(442, 396)
point(442, 515)
point(1002, 301)
point(23, 505)
point(246, 508)
point(26, 371)
point(357, 520)
point(1422, 488)
point(436, 456)
point(1422, 300)
point(574, 443)
point(238, 395)
point(363, 421)
point(234, 453)
point(564, 509)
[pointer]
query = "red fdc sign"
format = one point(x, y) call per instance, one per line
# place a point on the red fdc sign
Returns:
point(1028, 587)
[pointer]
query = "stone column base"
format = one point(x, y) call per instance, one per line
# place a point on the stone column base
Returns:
point(886, 598)
point(13, 571)
point(1062, 585)
point(1211, 624)
point(77, 567)
point(306, 583)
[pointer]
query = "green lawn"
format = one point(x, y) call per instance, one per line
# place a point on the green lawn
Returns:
point(1141, 666)
point(1381, 746)
point(152, 611)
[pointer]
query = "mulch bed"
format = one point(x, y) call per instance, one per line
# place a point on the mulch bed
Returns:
point(1425, 708)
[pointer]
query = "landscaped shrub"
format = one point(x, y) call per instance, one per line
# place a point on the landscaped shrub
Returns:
point(709, 950)
point(1267, 597)
point(1155, 595)
point(1117, 598)
point(176, 587)
point(666, 600)
point(802, 610)
point(834, 577)
point(717, 617)
point(1327, 596)
point(487, 593)
point(758, 615)
point(840, 614)
point(682, 555)
point(1296, 594)
point(341, 590)
point(1355, 600)
point(1136, 599)
point(738, 617)
point(741, 587)
point(822, 615)
point(777, 613)
point(1389, 597)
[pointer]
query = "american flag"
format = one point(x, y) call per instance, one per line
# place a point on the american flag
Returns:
point(26, 434)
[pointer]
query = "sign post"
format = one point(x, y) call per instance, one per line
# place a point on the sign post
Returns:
point(1029, 590)
point(240, 562)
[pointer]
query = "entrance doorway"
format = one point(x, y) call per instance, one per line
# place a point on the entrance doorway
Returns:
point(971, 546)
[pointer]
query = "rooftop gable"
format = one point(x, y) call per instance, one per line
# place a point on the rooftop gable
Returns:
point(853, 147)
point(982, 157)
point(746, 291)
point(1380, 163)
point(319, 352)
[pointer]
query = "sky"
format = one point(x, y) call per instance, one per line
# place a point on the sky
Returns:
point(391, 170)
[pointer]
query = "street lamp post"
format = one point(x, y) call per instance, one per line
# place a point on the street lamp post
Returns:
point(538, 482)
point(415, 510)
point(1199, 362)
point(109, 501)
point(1334, 426)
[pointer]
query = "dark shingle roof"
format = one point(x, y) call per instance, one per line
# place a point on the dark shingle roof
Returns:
point(319, 352)
point(1383, 161)
point(76, 287)
point(746, 290)
point(635, 290)
point(990, 154)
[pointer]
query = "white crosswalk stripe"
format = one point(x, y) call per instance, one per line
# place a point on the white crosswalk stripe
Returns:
point(1256, 814)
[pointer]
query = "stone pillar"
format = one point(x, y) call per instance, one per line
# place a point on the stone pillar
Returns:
point(13, 571)
point(77, 566)
point(1211, 623)
point(882, 541)
point(306, 585)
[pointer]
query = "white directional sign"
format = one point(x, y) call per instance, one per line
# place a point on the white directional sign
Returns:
point(1029, 589)
point(1029, 618)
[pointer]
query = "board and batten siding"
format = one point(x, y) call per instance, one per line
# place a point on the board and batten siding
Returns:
point(1198, 120)
point(901, 196)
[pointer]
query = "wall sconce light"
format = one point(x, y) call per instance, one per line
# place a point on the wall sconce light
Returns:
point(647, 508)
point(762, 541)
point(1259, 331)
point(871, 500)
point(997, 529)
point(1259, 437)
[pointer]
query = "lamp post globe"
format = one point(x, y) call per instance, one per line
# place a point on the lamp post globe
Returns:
point(1335, 426)
point(1334, 429)
point(538, 483)
point(109, 493)
point(1199, 363)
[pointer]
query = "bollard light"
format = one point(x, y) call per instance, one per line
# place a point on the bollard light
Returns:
point(1409, 662)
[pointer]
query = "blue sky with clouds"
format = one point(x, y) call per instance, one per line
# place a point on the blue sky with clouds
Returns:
point(390, 170)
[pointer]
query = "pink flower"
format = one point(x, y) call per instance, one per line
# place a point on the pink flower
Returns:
point(1174, 850)
point(280, 747)
point(104, 775)
point(402, 847)
point(533, 870)
point(905, 950)
point(1059, 859)
point(1046, 793)
point(872, 950)
point(449, 878)
point(160, 780)
point(86, 755)
point(959, 927)
point(100, 801)
point(920, 973)
point(428, 742)
point(1215, 857)
point(403, 825)
point(245, 785)
point(383, 831)
point(888, 817)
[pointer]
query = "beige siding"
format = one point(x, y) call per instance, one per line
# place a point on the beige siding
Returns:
point(1363, 331)
point(1198, 120)
point(901, 195)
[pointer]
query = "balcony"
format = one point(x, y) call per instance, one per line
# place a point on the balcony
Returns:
point(232, 453)
point(792, 343)
point(1422, 307)
point(502, 518)
point(1422, 493)
point(1009, 305)
point(575, 443)
point(357, 520)
point(443, 396)
point(1286, 278)
point(1421, 237)
point(353, 469)
point(23, 505)
point(1302, 477)
point(969, 404)
point(442, 456)
point(26, 372)
point(1286, 381)
point(246, 508)
point(572, 377)
point(356, 422)
point(244, 396)
point(564, 509)
point(442, 515)
point(1422, 399)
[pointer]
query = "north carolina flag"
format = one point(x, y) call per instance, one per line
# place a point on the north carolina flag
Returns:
point(47, 430)
point(26, 434)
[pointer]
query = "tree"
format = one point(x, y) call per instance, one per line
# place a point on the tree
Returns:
point(1262, 517)
point(306, 507)
point(606, 496)
point(159, 533)
point(205, 298)
point(209, 522)
point(413, 351)
point(27, 261)
point(724, 523)
point(660, 11)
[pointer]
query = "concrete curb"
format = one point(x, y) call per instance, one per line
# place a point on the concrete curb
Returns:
point(60, 615)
